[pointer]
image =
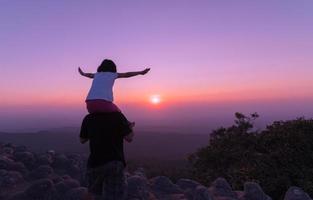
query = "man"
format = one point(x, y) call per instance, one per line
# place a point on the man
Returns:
point(106, 133)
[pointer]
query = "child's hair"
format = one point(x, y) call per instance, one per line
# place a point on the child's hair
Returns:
point(107, 66)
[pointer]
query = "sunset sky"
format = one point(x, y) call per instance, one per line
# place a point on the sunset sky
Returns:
point(208, 59)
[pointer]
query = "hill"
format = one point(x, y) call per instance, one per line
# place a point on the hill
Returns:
point(146, 145)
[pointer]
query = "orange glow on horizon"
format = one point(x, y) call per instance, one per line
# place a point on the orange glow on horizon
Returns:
point(168, 98)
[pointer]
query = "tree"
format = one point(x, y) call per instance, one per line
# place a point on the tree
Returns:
point(278, 157)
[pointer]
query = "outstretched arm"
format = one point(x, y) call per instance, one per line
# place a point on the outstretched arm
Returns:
point(89, 75)
point(131, 74)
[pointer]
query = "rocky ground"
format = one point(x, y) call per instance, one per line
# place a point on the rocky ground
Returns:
point(25, 175)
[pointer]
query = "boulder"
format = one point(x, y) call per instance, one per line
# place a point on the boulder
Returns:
point(187, 184)
point(140, 172)
point(19, 166)
point(64, 186)
point(44, 159)
point(56, 178)
point(163, 185)
point(61, 161)
point(17, 196)
point(41, 189)
point(177, 197)
point(5, 162)
point(221, 188)
point(202, 193)
point(20, 148)
point(71, 183)
point(295, 193)
point(43, 171)
point(51, 152)
point(9, 145)
point(10, 178)
point(253, 191)
point(74, 171)
point(7, 150)
point(61, 187)
point(137, 187)
point(79, 193)
point(27, 158)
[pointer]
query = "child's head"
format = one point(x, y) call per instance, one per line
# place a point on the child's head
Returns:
point(107, 66)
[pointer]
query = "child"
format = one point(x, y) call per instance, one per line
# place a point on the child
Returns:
point(100, 96)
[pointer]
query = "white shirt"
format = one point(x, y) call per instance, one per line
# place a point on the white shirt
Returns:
point(102, 86)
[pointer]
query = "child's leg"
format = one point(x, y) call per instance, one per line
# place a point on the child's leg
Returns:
point(101, 106)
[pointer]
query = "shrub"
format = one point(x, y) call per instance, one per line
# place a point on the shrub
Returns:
point(278, 157)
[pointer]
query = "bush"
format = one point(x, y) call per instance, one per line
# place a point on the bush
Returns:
point(278, 157)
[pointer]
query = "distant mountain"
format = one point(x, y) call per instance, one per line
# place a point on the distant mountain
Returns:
point(145, 145)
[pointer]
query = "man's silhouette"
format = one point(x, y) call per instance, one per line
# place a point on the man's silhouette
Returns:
point(105, 169)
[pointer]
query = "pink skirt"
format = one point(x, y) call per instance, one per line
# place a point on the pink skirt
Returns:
point(100, 106)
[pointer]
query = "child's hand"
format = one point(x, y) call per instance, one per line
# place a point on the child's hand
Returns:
point(81, 71)
point(89, 75)
point(145, 71)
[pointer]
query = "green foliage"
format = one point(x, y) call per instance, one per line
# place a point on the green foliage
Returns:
point(278, 157)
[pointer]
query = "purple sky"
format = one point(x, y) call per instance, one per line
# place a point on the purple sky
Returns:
point(209, 59)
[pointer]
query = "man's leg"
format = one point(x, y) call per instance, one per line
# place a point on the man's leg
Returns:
point(115, 182)
point(95, 178)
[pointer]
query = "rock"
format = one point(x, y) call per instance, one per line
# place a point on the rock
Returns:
point(240, 195)
point(163, 185)
point(177, 197)
point(221, 188)
point(56, 178)
point(44, 159)
point(202, 193)
point(140, 172)
point(61, 187)
point(74, 171)
point(43, 171)
point(127, 174)
point(137, 187)
point(187, 184)
point(51, 152)
point(9, 145)
point(20, 148)
point(253, 191)
point(8, 150)
point(40, 189)
point(10, 178)
point(19, 166)
point(75, 158)
point(5, 162)
point(18, 196)
point(27, 158)
point(79, 193)
point(71, 183)
point(60, 161)
point(295, 193)
point(65, 177)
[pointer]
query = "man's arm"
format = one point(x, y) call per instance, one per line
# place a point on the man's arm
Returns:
point(84, 133)
point(129, 137)
point(89, 75)
point(131, 74)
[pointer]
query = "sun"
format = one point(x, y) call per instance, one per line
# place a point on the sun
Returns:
point(155, 99)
